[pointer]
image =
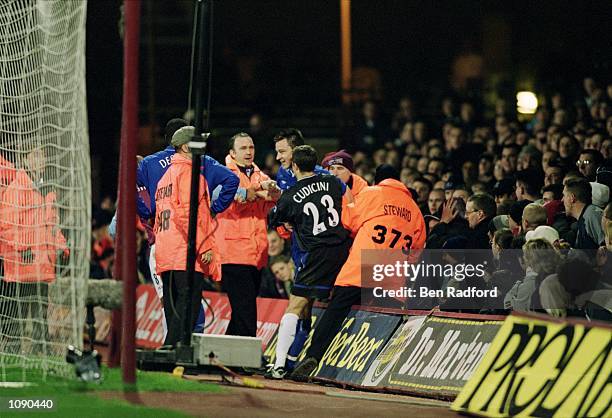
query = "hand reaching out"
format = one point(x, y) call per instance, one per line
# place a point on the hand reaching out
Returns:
point(272, 188)
point(274, 193)
point(268, 185)
point(449, 211)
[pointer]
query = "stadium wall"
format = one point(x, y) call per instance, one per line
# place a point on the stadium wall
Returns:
point(493, 365)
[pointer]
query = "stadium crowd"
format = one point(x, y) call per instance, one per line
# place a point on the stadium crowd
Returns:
point(496, 183)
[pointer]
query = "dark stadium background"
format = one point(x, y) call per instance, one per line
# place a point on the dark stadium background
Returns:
point(294, 47)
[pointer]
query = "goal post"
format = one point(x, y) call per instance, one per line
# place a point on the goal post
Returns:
point(126, 240)
point(45, 191)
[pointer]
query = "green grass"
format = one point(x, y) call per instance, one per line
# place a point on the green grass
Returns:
point(77, 399)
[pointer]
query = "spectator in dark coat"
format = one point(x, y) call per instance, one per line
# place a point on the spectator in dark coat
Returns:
point(370, 133)
point(577, 201)
point(480, 209)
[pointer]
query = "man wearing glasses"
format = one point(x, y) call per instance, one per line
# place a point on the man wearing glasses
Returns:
point(479, 211)
point(589, 162)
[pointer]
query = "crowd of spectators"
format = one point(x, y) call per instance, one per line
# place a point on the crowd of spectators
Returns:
point(528, 183)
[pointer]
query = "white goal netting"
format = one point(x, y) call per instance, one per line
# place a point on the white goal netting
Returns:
point(45, 193)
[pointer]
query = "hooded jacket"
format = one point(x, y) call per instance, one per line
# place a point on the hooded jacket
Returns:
point(30, 238)
point(357, 184)
point(172, 221)
point(383, 217)
point(241, 235)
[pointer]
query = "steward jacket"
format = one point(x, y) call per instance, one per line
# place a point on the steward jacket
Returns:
point(356, 184)
point(383, 217)
point(30, 238)
point(172, 221)
point(241, 235)
point(7, 173)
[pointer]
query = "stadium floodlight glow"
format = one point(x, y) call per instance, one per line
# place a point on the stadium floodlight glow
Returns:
point(526, 102)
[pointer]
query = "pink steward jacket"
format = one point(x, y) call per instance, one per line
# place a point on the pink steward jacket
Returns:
point(172, 221)
point(242, 232)
point(30, 238)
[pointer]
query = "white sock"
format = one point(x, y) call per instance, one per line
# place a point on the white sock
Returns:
point(286, 335)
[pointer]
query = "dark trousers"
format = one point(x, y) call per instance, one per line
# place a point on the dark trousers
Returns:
point(176, 300)
point(241, 283)
point(18, 301)
point(343, 297)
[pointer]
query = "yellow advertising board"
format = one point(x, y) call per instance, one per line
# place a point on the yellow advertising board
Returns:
point(538, 367)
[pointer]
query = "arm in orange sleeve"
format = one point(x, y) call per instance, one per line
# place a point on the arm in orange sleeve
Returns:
point(345, 201)
point(266, 205)
point(267, 196)
point(348, 196)
point(419, 233)
point(350, 218)
point(51, 214)
point(266, 188)
point(261, 194)
point(261, 206)
point(419, 237)
point(357, 213)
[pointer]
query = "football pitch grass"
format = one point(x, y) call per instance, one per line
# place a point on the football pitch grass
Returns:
point(72, 398)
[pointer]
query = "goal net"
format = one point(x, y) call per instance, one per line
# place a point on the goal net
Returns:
point(45, 193)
